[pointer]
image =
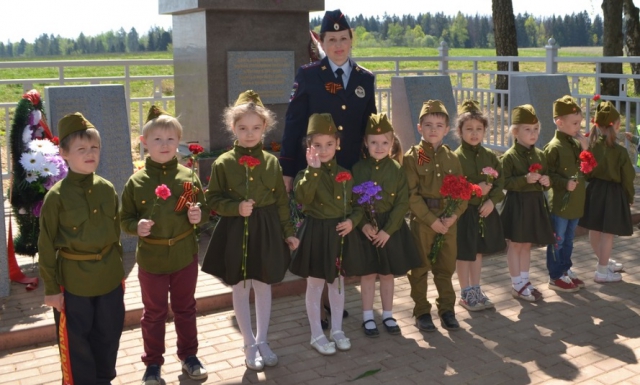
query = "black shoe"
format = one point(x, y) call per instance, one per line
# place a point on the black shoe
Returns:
point(391, 329)
point(449, 321)
point(373, 333)
point(152, 375)
point(324, 323)
point(345, 313)
point(425, 323)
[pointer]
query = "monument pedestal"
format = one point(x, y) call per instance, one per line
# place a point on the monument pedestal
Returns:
point(206, 31)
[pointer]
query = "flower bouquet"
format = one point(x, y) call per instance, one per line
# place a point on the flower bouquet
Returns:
point(587, 164)
point(455, 189)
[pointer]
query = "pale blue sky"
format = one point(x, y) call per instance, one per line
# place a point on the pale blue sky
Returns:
point(68, 18)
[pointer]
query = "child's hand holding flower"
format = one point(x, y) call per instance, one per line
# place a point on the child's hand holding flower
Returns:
point(246, 208)
point(571, 184)
point(369, 231)
point(194, 213)
point(144, 227)
point(293, 243)
point(380, 239)
point(486, 187)
point(544, 181)
point(343, 228)
point(486, 208)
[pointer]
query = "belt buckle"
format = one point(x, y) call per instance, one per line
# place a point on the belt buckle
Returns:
point(97, 257)
point(171, 242)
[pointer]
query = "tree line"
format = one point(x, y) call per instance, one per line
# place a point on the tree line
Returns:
point(157, 39)
point(471, 31)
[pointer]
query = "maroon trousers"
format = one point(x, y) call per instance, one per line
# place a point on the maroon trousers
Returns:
point(156, 289)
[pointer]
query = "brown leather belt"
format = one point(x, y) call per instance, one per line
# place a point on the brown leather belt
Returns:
point(168, 242)
point(85, 257)
point(433, 203)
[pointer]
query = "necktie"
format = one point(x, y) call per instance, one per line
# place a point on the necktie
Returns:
point(339, 73)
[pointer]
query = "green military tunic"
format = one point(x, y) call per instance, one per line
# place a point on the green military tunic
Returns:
point(399, 254)
point(525, 213)
point(424, 181)
point(269, 223)
point(325, 203)
point(563, 158)
point(80, 216)
point(471, 238)
point(138, 201)
point(610, 191)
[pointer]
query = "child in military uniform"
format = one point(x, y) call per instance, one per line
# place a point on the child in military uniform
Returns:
point(426, 165)
point(324, 190)
point(388, 247)
point(563, 159)
point(80, 259)
point(479, 228)
point(252, 201)
point(167, 252)
point(524, 214)
point(609, 193)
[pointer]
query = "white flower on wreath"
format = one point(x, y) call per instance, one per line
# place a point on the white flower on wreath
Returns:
point(49, 169)
point(31, 177)
point(32, 161)
point(27, 134)
point(43, 146)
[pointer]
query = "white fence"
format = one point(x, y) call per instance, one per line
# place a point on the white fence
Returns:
point(471, 77)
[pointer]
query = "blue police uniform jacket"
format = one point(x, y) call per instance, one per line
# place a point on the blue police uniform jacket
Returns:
point(315, 91)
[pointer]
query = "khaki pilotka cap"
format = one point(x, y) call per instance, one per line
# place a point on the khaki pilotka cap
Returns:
point(155, 112)
point(378, 124)
point(334, 21)
point(469, 106)
point(606, 114)
point(566, 105)
point(321, 124)
point(432, 107)
point(247, 97)
point(72, 123)
point(524, 114)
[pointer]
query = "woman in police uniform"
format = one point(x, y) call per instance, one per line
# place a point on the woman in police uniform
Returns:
point(335, 85)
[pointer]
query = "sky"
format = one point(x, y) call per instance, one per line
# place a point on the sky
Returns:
point(68, 18)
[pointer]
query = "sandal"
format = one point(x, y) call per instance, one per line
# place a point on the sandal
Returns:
point(534, 292)
point(518, 294)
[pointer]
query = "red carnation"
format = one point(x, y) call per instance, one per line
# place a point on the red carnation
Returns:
point(343, 176)
point(163, 192)
point(55, 140)
point(249, 161)
point(196, 149)
point(477, 190)
point(33, 96)
point(536, 167)
point(596, 97)
point(587, 162)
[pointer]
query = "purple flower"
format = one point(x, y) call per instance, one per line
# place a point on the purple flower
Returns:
point(37, 207)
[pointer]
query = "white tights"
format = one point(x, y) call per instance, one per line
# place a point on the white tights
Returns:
point(314, 303)
point(242, 308)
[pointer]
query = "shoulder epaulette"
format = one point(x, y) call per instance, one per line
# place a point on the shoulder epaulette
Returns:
point(360, 68)
point(310, 65)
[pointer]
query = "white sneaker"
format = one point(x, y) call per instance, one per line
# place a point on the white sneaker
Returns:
point(610, 276)
point(614, 266)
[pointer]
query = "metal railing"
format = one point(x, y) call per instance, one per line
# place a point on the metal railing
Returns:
point(471, 77)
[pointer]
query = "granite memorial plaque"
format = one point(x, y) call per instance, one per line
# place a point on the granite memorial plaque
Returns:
point(105, 106)
point(408, 94)
point(5, 284)
point(266, 72)
point(540, 91)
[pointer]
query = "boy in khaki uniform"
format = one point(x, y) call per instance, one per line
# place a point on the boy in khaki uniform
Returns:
point(562, 153)
point(167, 252)
point(80, 259)
point(426, 165)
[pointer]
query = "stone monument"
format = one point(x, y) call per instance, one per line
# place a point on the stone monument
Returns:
point(408, 94)
point(105, 106)
point(221, 48)
point(540, 91)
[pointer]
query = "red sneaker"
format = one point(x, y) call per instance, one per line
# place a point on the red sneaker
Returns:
point(574, 278)
point(564, 284)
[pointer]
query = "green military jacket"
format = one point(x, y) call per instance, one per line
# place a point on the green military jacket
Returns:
point(515, 167)
point(228, 184)
point(614, 165)
point(424, 181)
point(138, 201)
point(473, 159)
point(322, 197)
point(388, 174)
point(563, 159)
point(80, 216)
